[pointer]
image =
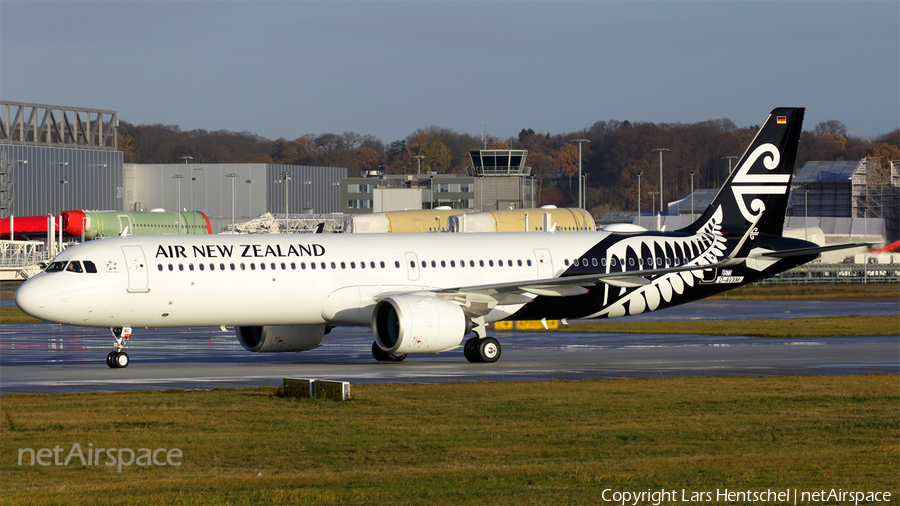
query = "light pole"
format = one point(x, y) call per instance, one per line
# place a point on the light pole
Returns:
point(250, 198)
point(419, 163)
point(178, 178)
point(63, 187)
point(580, 191)
point(285, 177)
point(806, 212)
point(654, 201)
point(660, 178)
point(692, 195)
point(639, 197)
point(194, 180)
point(232, 176)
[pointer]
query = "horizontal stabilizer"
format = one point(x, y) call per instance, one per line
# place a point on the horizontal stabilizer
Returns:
point(808, 251)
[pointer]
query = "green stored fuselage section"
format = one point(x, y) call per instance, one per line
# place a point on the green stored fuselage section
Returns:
point(113, 223)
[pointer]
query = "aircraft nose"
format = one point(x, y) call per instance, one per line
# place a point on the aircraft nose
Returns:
point(31, 297)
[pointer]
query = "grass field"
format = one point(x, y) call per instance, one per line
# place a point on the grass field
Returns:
point(481, 443)
point(865, 325)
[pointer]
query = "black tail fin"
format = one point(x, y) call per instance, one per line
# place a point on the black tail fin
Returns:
point(761, 181)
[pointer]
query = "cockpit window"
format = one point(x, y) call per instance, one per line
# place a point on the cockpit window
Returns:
point(56, 266)
point(74, 266)
point(89, 267)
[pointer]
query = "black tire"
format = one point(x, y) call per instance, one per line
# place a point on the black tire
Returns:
point(384, 356)
point(470, 350)
point(379, 354)
point(488, 350)
point(121, 360)
point(109, 359)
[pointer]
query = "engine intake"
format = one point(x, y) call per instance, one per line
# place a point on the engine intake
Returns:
point(280, 338)
point(416, 324)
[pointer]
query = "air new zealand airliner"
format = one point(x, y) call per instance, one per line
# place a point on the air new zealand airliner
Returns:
point(423, 293)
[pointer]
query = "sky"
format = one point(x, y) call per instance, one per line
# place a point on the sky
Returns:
point(387, 68)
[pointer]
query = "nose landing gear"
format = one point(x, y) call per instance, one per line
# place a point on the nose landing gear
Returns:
point(119, 359)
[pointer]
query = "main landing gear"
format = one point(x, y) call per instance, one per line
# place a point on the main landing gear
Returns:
point(485, 350)
point(119, 359)
point(481, 348)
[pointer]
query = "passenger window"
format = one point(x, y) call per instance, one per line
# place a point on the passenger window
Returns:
point(584, 262)
point(382, 264)
point(303, 265)
point(362, 265)
point(293, 266)
point(612, 261)
point(481, 263)
point(412, 264)
point(603, 262)
point(396, 264)
point(89, 267)
point(433, 264)
point(631, 262)
point(322, 265)
point(509, 262)
point(528, 262)
point(312, 265)
point(452, 263)
point(353, 265)
point(190, 267)
point(659, 261)
point(222, 267)
point(212, 267)
point(243, 267)
point(566, 261)
point(333, 266)
point(491, 263)
point(343, 265)
point(594, 262)
point(171, 268)
point(159, 266)
point(201, 266)
point(443, 263)
point(500, 263)
point(472, 263)
point(180, 267)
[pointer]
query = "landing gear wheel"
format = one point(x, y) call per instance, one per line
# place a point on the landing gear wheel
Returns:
point(488, 350)
point(121, 360)
point(384, 356)
point(110, 358)
point(470, 351)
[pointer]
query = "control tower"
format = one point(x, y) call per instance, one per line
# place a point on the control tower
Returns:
point(502, 180)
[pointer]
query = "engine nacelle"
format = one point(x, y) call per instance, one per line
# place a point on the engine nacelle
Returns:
point(415, 324)
point(280, 338)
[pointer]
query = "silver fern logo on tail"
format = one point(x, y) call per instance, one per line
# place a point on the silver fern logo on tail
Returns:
point(705, 247)
point(748, 184)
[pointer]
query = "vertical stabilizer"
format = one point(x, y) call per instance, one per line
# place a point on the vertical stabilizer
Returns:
point(761, 181)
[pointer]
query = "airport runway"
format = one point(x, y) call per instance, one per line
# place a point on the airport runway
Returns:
point(53, 358)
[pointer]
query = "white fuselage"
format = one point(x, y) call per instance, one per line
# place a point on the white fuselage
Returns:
point(245, 280)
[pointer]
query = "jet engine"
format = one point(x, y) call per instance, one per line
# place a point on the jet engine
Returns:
point(275, 338)
point(416, 324)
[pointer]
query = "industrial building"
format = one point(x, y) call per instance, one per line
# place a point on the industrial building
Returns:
point(56, 158)
point(867, 188)
point(499, 180)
